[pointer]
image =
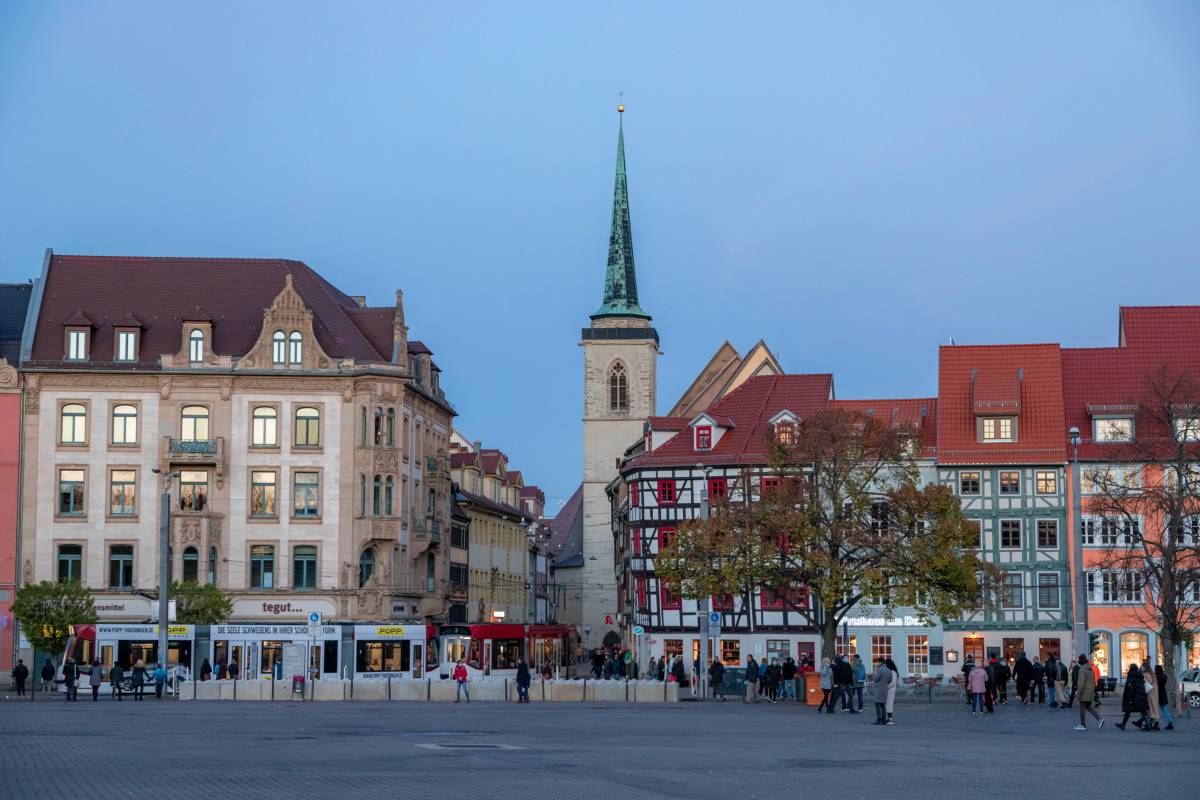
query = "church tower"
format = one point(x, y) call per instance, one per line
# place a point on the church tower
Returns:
point(620, 351)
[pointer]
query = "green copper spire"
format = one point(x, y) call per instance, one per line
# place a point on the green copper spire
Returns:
point(620, 281)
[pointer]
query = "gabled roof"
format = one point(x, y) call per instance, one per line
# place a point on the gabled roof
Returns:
point(723, 373)
point(1159, 327)
point(491, 460)
point(163, 293)
point(915, 414)
point(461, 460)
point(719, 420)
point(566, 533)
point(1037, 395)
point(749, 407)
point(667, 423)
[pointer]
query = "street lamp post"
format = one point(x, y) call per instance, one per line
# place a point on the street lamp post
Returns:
point(164, 566)
point(1078, 577)
point(705, 602)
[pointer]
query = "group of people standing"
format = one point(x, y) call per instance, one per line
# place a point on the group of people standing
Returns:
point(140, 676)
point(772, 681)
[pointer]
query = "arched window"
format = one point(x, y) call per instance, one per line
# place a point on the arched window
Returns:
point(295, 348)
point(388, 494)
point(391, 427)
point(278, 347)
point(196, 346)
point(212, 566)
point(377, 497)
point(366, 566)
point(74, 424)
point(124, 424)
point(362, 495)
point(191, 565)
point(194, 424)
point(265, 427)
point(378, 427)
point(618, 388)
point(308, 427)
point(362, 428)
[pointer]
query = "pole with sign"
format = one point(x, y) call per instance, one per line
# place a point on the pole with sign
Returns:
point(314, 633)
point(704, 614)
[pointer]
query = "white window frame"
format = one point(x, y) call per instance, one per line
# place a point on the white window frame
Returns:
point(1000, 534)
point(77, 345)
point(127, 342)
point(1005, 589)
point(1104, 435)
point(1058, 587)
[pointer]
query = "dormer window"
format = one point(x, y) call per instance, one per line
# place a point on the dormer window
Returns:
point(997, 429)
point(127, 345)
point(703, 437)
point(196, 346)
point(295, 348)
point(1112, 429)
point(278, 347)
point(77, 344)
point(785, 433)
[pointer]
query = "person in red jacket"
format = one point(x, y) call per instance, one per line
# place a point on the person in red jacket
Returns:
point(461, 679)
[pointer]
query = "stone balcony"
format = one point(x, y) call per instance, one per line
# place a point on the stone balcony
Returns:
point(193, 451)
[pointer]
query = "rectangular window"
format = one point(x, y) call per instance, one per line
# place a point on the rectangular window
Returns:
point(1113, 429)
point(997, 429)
point(1047, 481)
point(262, 566)
point(731, 652)
point(304, 567)
point(126, 346)
point(1011, 590)
point(70, 493)
point(1010, 483)
point(634, 500)
point(193, 490)
point(665, 535)
point(262, 494)
point(1047, 534)
point(306, 494)
point(70, 563)
point(382, 656)
point(120, 566)
point(881, 648)
point(918, 655)
point(666, 492)
point(846, 646)
point(1010, 534)
point(122, 493)
point(770, 485)
point(968, 483)
point(458, 575)
point(722, 602)
point(717, 490)
point(77, 345)
point(703, 437)
point(1187, 429)
point(1047, 590)
point(670, 600)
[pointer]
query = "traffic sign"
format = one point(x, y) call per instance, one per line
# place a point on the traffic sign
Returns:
point(638, 630)
point(714, 618)
point(314, 618)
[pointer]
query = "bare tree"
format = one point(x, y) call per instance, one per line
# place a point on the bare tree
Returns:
point(1145, 513)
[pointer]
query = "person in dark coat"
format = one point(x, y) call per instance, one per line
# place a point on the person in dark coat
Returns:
point(1133, 699)
point(716, 679)
point(1003, 676)
point(1039, 682)
point(115, 676)
point(652, 669)
point(139, 680)
point(752, 680)
point(843, 675)
point(1164, 698)
point(679, 671)
point(1024, 675)
point(20, 674)
point(71, 680)
point(95, 676)
point(1074, 684)
point(774, 675)
point(205, 670)
point(966, 673)
point(989, 696)
point(47, 675)
point(523, 680)
point(232, 670)
point(789, 679)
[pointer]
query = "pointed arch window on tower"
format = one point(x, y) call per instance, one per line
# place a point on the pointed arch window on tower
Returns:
point(618, 388)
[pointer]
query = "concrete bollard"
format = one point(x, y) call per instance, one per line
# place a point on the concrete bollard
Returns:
point(367, 691)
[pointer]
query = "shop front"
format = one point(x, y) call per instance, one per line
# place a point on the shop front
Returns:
point(128, 644)
point(256, 649)
point(984, 645)
point(735, 648)
point(916, 649)
point(390, 651)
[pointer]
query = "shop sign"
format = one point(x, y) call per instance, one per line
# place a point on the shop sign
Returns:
point(127, 631)
point(273, 608)
point(884, 622)
point(369, 632)
point(399, 608)
point(108, 607)
point(267, 631)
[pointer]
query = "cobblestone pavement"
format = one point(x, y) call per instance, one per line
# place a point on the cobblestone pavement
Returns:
point(690, 750)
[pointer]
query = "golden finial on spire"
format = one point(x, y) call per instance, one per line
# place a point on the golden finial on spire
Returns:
point(620, 102)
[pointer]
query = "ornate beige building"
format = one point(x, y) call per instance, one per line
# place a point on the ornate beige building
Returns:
point(304, 434)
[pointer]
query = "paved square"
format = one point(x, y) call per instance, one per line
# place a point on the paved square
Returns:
point(598, 752)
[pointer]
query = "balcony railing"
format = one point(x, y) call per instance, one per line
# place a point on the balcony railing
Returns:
point(200, 446)
point(427, 530)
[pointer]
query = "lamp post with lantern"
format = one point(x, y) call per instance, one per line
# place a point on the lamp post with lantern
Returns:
point(1078, 579)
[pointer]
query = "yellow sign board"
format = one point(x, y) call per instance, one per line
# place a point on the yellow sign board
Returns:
point(389, 630)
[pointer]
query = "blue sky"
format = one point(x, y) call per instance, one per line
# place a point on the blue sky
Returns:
point(852, 184)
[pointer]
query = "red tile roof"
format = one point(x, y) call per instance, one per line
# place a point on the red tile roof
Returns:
point(918, 414)
point(163, 293)
point(1159, 327)
point(749, 407)
point(462, 459)
point(668, 423)
point(1041, 431)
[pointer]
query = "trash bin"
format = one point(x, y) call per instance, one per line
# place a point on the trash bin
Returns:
point(298, 685)
point(812, 688)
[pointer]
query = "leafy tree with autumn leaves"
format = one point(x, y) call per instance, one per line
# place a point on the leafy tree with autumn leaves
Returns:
point(836, 516)
point(48, 609)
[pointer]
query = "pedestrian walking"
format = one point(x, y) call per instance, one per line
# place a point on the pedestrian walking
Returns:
point(976, 686)
point(71, 680)
point(826, 673)
point(523, 681)
point(716, 678)
point(1023, 672)
point(1002, 675)
point(1155, 720)
point(47, 675)
point(1085, 692)
point(860, 680)
point(160, 680)
point(95, 675)
point(1164, 696)
point(843, 675)
point(891, 692)
point(752, 680)
point(883, 679)
point(20, 673)
point(1076, 668)
point(461, 679)
point(115, 677)
point(206, 670)
point(1061, 679)
point(1039, 682)
point(139, 680)
point(232, 669)
point(1133, 699)
point(967, 669)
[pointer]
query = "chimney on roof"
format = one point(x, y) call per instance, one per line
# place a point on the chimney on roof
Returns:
point(478, 445)
point(399, 333)
point(359, 299)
